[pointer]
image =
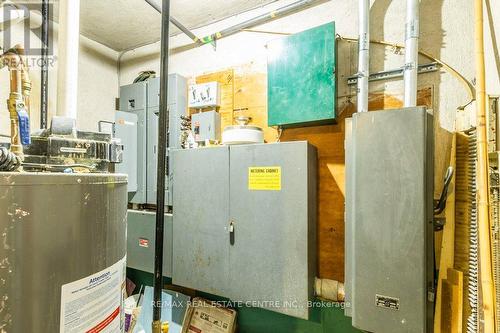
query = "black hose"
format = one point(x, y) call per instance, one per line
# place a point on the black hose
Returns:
point(44, 94)
point(163, 167)
point(8, 160)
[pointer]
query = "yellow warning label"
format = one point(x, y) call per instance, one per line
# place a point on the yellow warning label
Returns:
point(264, 178)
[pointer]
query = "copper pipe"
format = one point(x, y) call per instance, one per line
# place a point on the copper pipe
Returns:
point(14, 62)
point(25, 77)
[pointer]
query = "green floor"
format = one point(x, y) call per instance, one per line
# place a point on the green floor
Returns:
point(325, 319)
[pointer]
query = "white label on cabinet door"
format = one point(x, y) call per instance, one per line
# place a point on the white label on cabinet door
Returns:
point(94, 304)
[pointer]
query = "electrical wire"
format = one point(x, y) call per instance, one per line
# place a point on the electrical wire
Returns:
point(144, 76)
point(280, 132)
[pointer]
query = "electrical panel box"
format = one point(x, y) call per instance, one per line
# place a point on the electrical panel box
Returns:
point(126, 129)
point(244, 223)
point(206, 126)
point(142, 99)
point(141, 226)
point(389, 221)
point(204, 95)
point(302, 79)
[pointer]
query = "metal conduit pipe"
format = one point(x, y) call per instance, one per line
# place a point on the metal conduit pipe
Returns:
point(256, 21)
point(259, 20)
point(178, 24)
point(364, 55)
point(185, 30)
point(163, 167)
point(411, 52)
point(44, 86)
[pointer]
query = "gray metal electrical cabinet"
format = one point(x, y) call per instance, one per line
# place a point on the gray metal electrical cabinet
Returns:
point(126, 127)
point(141, 227)
point(142, 99)
point(245, 223)
point(206, 126)
point(389, 220)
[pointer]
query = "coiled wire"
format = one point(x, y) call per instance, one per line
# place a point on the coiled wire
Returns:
point(8, 160)
point(473, 290)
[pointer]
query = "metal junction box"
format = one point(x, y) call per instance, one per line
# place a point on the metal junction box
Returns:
point(206, 126)
point(244, 223)
point(140, 157)
point(389, 221)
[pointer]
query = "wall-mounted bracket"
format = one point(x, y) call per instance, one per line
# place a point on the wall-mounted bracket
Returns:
point(394, 73)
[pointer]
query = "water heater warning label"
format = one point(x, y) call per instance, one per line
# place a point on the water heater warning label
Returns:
point(264, 178)
point(94, 304)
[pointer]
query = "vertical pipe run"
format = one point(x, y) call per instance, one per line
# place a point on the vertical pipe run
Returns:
point(69, 38)
point(411, 54)
point(163, 167)
point(364, 55)
point(485, 261)
point(15, 101)
point(44, 93)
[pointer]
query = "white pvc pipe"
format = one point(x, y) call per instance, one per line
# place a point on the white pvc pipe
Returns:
point(364, 55)
point(411, 52)
point(68, 46)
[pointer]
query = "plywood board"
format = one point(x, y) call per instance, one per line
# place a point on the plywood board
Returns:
point(445, 261)
point(451, 307)
point(250, 98)
point(226, 80)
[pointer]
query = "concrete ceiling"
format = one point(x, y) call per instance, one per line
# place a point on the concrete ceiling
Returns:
point(125, 24)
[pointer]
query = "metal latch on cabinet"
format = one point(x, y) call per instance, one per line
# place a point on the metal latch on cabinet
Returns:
point(231, 232)
point(440, 204)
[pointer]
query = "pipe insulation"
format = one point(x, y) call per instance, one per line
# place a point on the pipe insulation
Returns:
point(330, 290)
point(67, 76)
point(364, 55)
point(411, 52)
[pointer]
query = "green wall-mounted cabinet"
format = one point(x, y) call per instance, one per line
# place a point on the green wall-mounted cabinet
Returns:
point(301, 78)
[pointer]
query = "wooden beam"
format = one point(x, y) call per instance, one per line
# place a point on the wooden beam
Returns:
point(452, 302)
point(446, 248)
